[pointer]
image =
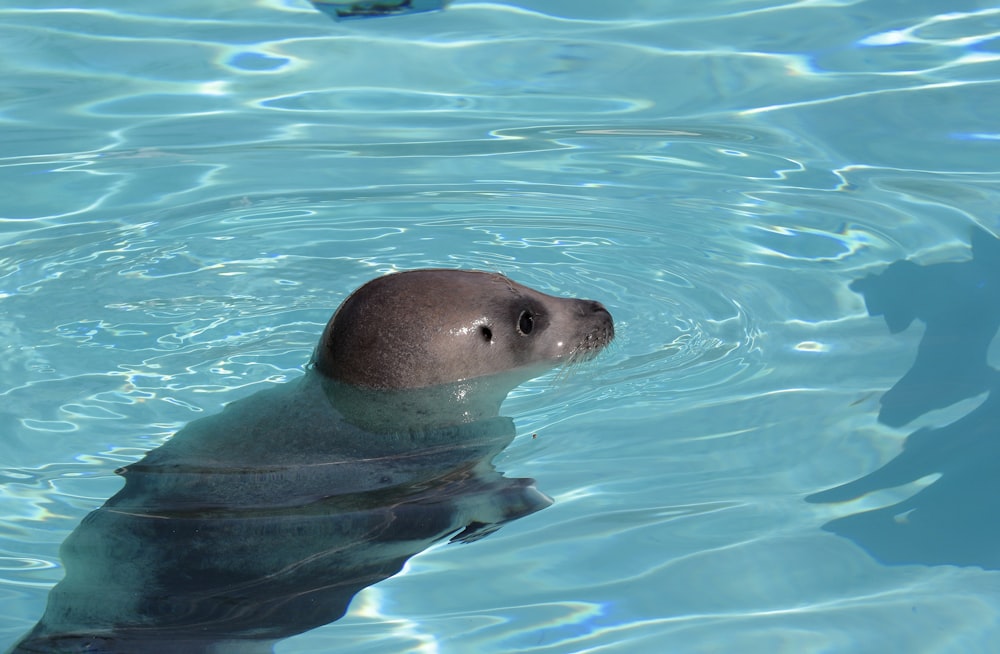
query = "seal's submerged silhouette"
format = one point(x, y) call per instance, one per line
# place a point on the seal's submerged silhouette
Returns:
point(263, 521)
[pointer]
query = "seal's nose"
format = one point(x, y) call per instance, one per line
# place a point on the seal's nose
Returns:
point(597, 315)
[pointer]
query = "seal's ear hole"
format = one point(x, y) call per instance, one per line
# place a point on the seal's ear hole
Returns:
point(486, 333)
point(525, 323)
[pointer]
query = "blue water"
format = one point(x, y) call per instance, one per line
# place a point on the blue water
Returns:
point(190, 188)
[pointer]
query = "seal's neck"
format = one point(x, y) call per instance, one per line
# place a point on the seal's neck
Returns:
point(420, 409)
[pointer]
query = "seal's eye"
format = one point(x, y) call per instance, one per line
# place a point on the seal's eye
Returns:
point(486, 333)
point(525, 323)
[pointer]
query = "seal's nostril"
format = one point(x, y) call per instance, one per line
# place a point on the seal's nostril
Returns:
point(587, 307)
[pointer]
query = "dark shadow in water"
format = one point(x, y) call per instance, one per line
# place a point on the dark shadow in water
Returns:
point(954, 519)
point(241, 531)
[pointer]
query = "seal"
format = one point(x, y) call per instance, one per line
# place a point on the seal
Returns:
point(264, 520)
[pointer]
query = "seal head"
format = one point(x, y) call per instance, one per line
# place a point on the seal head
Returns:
point(425, 328)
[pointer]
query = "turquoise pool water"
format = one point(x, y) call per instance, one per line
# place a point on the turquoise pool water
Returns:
point(190, 188)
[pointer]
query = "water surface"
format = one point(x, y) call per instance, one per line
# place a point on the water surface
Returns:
point(191, 188)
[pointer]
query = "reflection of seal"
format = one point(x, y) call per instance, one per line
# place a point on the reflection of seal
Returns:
point(264, 520)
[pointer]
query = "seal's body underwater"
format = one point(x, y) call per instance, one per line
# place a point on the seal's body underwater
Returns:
point(264, 520)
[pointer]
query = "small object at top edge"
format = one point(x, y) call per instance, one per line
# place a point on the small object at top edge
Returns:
point(347, 10)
